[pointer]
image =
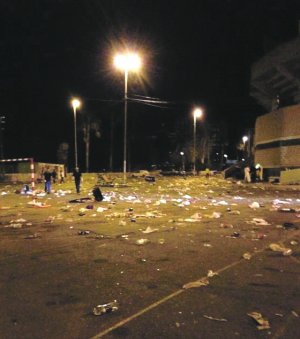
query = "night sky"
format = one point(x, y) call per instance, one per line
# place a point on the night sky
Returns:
point(194, 53)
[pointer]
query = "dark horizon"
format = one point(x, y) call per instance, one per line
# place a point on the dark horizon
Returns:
point(195, 53)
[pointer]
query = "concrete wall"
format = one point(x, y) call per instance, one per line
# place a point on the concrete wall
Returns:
point(277, 138)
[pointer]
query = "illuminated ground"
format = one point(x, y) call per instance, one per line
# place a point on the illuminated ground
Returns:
point(52, 277)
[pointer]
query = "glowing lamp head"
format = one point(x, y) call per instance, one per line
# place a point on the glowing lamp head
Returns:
point(128, 62)
point(76, 103)
point(245, 139)
point(198, 113)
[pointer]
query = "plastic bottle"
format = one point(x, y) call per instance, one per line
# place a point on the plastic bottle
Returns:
point(106, 308)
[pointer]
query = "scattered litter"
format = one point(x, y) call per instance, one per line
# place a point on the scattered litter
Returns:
point(263, 324)
point(223, 203)
point(150, 178)
point(106, 308)
point(235, 212)
point(294, 242)
point(278, 202)
point(286, 210)
point(197, 283)
point(84, 232)
point(80, 200)
point(222, 225)
point(254, 205)
point(197, 216)
point(33, 236)
point(50, 219)
point(18, 220)
point(289, 225)
point(234, 235)
point(18, 225)
point(207, 244)
point(211, 273)
point(214, 215)
point(247, 256)
point(161, 241)
point(259, 222)
point(101, 209)
point(38, 204)
point(212, 318)
point(149, 229)
point(142, 241)
point(295, 314)
point(277, 248)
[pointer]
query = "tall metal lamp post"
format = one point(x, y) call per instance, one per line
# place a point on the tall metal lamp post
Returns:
point(126, 62)
point(76, 104)
point(182, 159)
point(197, 113)
point(245, 139)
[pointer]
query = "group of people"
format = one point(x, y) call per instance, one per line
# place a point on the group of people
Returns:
point(51, 176)
point(256, 176)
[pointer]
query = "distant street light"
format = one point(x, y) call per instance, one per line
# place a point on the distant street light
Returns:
point(126, 62)
point(197, 114)
point(245, 139)
point(183, 164)
point(76, 104)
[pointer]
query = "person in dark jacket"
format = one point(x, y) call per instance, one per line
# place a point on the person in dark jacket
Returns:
point(47, 176)
point(77, 178)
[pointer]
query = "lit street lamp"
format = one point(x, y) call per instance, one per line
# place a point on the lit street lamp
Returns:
point(76, 104)
point(245, 139)
point(182, 157)
point(126, 62)
point(197, 114)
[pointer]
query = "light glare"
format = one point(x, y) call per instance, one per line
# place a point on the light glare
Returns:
point(198, 113)
point(76, 103)
point(129, 62)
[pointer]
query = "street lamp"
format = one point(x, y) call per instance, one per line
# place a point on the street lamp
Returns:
point(197, 114)
point(76, 104)
point(182, 157)
point(126, 62)
point(245, 139)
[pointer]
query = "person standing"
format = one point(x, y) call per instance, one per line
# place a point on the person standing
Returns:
point(247, 176)
point(77, 178)
point(54, 175)
point(47, 176)
point(62, 176)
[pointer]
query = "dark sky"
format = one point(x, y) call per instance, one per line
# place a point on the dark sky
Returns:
point(194, 52)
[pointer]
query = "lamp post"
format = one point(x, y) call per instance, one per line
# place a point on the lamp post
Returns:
point(76, 104)
point(182, 158)
point(126, 62)
point(197, 114)
point(245, 139)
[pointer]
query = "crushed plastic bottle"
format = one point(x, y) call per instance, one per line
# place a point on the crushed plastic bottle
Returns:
point(106, 308)
point(277, 248)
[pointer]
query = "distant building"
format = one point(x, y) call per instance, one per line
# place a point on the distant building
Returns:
point(277, 140)
point(275, 78)
point(20, 170)
point(275, 84)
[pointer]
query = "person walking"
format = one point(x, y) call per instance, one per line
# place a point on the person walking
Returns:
point(47, 176)
point(77, 179)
